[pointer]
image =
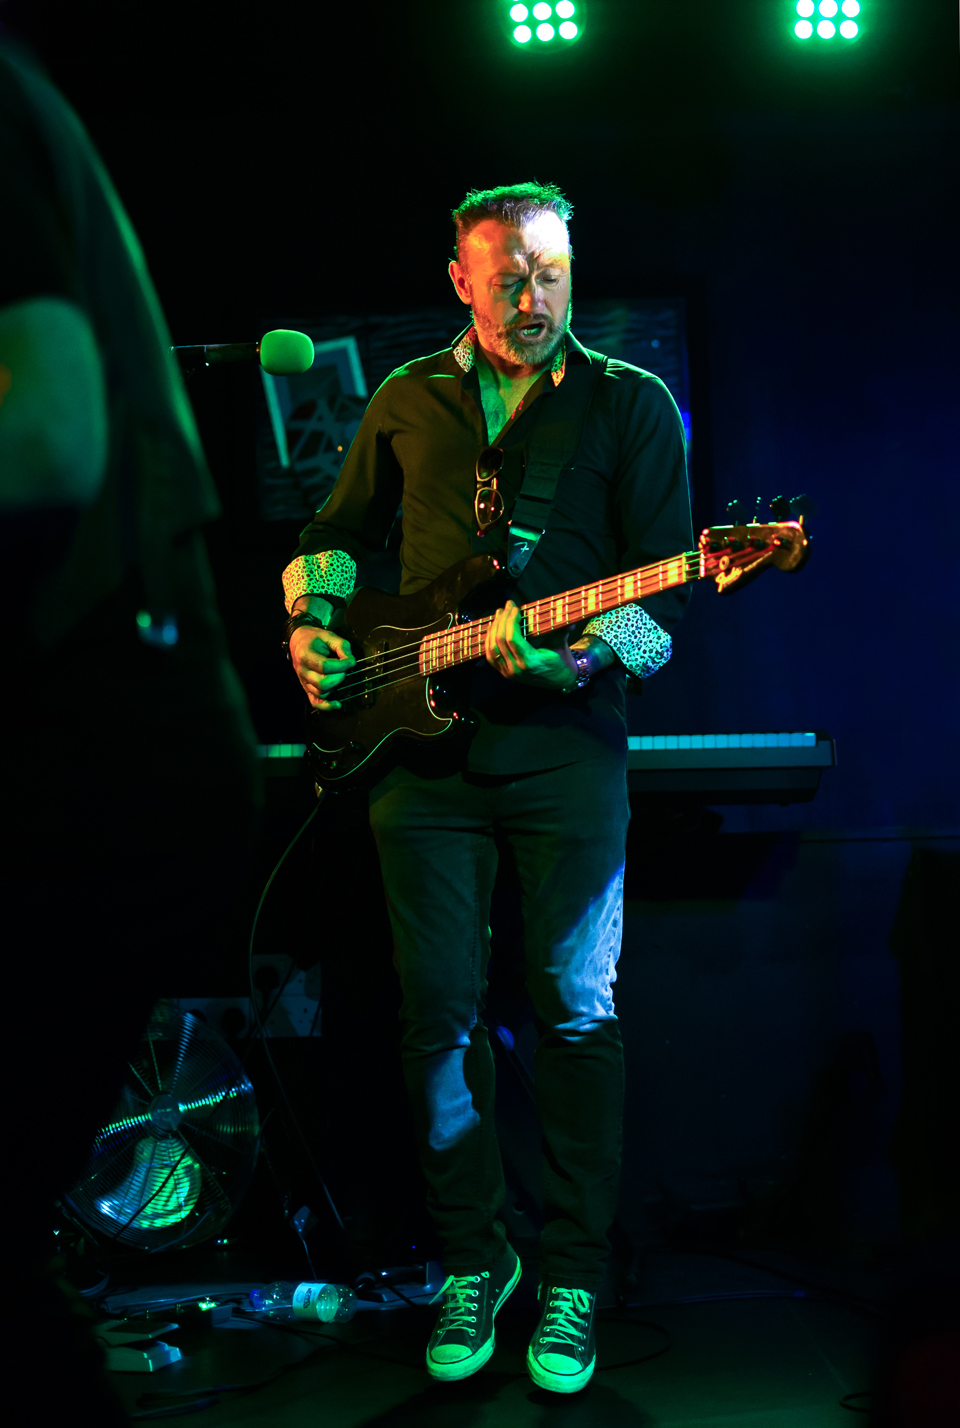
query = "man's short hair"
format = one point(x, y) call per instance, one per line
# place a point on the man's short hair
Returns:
point(513, 204)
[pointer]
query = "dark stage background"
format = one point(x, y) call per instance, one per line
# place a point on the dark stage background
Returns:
point(291, 163)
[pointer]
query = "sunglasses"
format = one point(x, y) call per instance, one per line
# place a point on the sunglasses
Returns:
point(488, 502)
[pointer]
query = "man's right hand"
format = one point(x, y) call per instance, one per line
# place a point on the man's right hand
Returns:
point(321, 660)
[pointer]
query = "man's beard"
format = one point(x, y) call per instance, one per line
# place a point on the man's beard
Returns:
point(504, 343)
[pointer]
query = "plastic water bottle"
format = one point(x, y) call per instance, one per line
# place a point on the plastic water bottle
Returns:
point(330, 1303)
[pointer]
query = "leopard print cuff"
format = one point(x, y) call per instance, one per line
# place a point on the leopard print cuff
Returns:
point(332, 572)
point(643, 647)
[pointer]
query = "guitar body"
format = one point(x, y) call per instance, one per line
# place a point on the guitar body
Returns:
point(348, 744)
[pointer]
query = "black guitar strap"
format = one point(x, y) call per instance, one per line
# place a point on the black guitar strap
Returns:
point(551, 448)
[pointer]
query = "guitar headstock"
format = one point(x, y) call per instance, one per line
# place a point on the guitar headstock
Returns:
point(736, 554)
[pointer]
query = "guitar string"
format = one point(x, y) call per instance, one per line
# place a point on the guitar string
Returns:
point(610, 581)
point(400, 663)
point(605, 586)
point(388, 663)
point(398, 659)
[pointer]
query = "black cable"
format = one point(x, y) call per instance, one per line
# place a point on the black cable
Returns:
point(208, 1397)
point(260, 1030)
point(855, 1300)
point(114, 1236)
point(853, 1407)
point(200, 1399)
point(823, 1298)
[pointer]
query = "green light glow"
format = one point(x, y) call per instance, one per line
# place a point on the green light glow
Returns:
point(828, 8)
point(803, 29)
point(129, 1123)
point(849, 29)
point(541, 11)
point(143, 619)
point(805, 8)
point(826, 29)
point(851, 7)
point(213, 1100)
point(522, 34)
point(161, 1189)
point(565, 9)
point(545, 32)
point(568, 30)
point(519, 12)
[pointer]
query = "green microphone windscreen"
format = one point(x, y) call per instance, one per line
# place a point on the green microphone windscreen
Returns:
point(283, 352)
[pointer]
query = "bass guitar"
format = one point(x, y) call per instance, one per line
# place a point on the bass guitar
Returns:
point(409, 647)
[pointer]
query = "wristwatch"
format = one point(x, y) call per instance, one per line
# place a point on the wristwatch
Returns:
point(581, 659)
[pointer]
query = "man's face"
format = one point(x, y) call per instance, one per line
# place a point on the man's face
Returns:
point(517, 281)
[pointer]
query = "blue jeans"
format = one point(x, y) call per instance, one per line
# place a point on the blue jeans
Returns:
point(436, 839)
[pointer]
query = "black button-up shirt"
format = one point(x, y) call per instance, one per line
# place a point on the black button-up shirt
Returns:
point(624, 504)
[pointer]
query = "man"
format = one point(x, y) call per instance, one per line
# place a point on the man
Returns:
point(544, 768)
point(129, 762)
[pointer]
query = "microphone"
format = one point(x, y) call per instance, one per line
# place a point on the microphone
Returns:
point(281, 353)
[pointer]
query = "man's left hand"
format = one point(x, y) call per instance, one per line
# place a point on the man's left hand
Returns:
point(511, 654)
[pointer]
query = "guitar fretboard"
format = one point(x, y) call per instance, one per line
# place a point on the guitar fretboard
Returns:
point(461, 643)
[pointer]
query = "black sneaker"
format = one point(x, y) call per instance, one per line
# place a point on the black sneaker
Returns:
point(463, 1339)
point(563, 1351)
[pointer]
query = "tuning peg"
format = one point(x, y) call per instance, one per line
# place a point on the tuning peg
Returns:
point(780, 508)
point(802, 506)
point(737, 513)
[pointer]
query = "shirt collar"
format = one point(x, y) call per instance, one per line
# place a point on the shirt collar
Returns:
point(463, 351)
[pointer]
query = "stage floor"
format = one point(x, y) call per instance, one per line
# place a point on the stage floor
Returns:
point(751, 1362)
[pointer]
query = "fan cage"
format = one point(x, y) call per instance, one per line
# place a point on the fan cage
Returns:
point(173, 1162)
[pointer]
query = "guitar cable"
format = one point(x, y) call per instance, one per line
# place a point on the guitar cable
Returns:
point(258, 1031)
point(260, 1022)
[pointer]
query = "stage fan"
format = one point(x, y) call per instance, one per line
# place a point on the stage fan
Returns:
point(172, 1163)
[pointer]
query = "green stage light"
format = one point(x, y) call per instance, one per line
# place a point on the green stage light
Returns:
point(826, 29)
point(546, 22)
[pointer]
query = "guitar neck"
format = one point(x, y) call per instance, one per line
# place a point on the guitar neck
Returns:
point(462, 643)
